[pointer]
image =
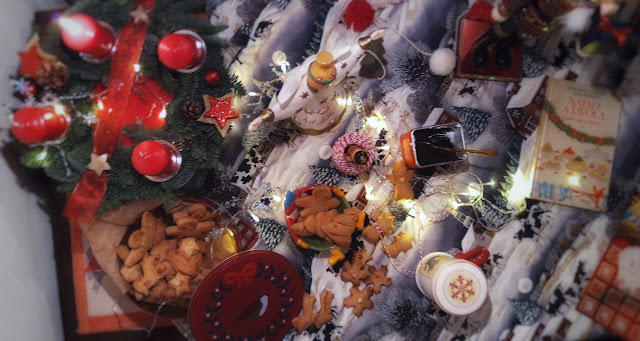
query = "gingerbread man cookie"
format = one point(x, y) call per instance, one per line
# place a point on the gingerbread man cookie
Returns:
point(320, 200)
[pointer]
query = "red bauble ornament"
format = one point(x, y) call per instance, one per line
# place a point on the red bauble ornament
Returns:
point(359, 15)
point(81, 33)
point(182, 51)
point(35, 125)
point(212, 77)
point(157, 160)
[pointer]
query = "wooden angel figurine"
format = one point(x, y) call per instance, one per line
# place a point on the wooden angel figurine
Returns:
point(401, 177)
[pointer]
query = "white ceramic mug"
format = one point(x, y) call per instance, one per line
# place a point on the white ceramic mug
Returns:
point(458, 286)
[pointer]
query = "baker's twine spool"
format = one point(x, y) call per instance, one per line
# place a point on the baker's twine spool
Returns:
point(339, 157)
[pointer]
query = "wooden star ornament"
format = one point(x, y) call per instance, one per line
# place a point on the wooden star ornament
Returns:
point(219, 111)
point(140, 15)
point(99, 163)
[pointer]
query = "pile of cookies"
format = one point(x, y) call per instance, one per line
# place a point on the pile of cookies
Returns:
point(355, 272)
point(319, 216)
point(166, 263)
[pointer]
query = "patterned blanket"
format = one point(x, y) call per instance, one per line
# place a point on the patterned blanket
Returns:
point(556, 247)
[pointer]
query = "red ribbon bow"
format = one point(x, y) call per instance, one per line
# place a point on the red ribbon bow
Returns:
point(236, 278)
point(88, 194)
point(619, 34)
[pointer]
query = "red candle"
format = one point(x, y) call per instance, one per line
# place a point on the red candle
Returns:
point(157, 160)
point(182, 50)
point(83, 34)
point(36, 125)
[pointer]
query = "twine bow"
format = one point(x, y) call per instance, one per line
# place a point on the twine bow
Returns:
point(619, 34)
point(236, 278)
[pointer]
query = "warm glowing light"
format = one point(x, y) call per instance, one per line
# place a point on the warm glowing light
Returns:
point(349, 101)
point(368, 195)
point(251, 93)
point(254, 217)
point(519, 190)
point(374, 122)
point(455, 205)
point(42, 155)
point(73, 27)
point(277, 198)
point(473, 191)
point(58, 108)
point(341, 101)
point(163, 113)
point(136, 67)
point(408, 204)
point(100, 105)
point(491, 183)
point(574, 180)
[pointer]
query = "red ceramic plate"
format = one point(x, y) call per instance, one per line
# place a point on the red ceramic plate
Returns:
point(253, 295)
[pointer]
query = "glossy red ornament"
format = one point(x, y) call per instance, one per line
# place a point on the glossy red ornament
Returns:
point(182, 51)
point(36, 125)
point(157, 160)
point(359, 15)
point(81, 33)
point(212, 77)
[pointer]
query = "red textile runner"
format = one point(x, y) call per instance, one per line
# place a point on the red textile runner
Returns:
point(88, 194)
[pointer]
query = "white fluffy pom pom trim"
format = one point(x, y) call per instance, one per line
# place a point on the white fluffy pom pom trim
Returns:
point(577, 20)
point(442, 62)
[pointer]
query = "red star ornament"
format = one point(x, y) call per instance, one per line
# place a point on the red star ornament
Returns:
point(219, 111)
point(30, 62)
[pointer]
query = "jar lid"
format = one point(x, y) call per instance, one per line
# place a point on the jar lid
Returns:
point(251, 295)
point(460, 288)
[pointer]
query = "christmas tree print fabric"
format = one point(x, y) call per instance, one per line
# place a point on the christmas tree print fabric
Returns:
point(553, 246)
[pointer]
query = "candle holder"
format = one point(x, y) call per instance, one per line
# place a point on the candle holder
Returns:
point(158, 161)
point(183, 51)
point(93, 40)
point(432, 146)
point(107, 55)
point(33, 125)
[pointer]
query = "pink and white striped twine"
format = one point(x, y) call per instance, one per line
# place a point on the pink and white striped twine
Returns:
point(338, 155)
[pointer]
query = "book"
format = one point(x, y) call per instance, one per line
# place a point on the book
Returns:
point(568, 158)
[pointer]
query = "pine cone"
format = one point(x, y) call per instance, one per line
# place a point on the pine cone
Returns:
point(192, 110)
point(52, 74)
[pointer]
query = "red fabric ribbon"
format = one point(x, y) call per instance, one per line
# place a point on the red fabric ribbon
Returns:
point(88, 194)
point(236, 278)
point(619, 34)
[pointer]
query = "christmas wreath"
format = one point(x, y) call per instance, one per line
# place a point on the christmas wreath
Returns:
point(131, 81)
